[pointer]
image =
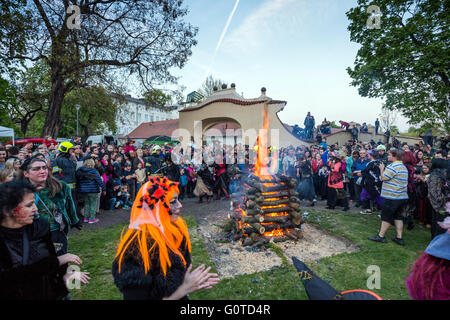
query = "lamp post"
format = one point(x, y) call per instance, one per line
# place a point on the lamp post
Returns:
point(77, 106)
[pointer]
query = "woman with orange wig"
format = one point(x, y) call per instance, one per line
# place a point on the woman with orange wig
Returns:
point(153, 256)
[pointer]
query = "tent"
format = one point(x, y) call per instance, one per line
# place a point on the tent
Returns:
point(160, 140)
point(7, 132)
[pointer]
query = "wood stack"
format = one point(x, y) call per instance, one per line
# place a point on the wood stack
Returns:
point(268, 210)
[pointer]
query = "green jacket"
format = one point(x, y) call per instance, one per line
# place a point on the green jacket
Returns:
point(63, 202)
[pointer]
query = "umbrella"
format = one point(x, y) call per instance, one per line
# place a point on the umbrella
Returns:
point(317, 289)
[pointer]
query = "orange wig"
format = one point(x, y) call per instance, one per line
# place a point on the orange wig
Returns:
point(150, 219)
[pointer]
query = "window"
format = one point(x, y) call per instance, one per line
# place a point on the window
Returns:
point(146, 118)
point(138, 117)
point(152, 119)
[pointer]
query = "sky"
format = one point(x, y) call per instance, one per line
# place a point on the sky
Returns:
point(297, 49)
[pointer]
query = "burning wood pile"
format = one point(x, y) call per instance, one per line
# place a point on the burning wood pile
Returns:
point(268, 210)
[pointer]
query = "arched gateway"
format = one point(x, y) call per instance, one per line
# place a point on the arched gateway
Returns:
point(228, 106)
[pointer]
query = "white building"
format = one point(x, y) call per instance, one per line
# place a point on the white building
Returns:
point(132, 112)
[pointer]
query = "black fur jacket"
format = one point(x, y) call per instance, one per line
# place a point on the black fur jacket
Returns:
point(42, 277)
point(136, 285)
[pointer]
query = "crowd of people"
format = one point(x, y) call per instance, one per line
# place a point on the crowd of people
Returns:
point(68, 184)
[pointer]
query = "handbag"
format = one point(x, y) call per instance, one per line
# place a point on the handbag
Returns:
point(56, 215)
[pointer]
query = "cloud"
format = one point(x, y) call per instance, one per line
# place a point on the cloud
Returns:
point(272, 18)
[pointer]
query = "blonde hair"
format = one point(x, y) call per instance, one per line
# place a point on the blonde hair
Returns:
point(89, 163)
point(9, 164)
point(4, 174)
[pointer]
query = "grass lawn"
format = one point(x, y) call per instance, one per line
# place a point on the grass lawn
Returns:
point(344, 271)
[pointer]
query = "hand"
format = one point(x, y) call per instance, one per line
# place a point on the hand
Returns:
point(76, 276)
point(382, 166)
point(69, 258)
point(200, 278)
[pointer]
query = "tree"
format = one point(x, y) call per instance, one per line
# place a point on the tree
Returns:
point(157, 97)
point(208, 85)
point(145, 38)
point(387, 119)
point(97, 113)
point(32, 90)
point(405, 61)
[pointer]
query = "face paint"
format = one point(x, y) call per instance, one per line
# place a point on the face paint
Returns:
point(19, 215)
point(174, 206)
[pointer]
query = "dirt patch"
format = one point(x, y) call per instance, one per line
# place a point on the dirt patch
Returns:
point(232, 259)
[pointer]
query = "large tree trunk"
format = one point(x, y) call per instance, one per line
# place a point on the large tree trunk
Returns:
point(53, 118)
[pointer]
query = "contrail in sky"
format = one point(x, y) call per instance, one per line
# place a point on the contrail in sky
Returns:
point(221, 37)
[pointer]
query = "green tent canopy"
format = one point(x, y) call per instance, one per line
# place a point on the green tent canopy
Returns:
point(160, 140)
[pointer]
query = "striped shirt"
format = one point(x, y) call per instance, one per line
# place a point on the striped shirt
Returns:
point(395, 181)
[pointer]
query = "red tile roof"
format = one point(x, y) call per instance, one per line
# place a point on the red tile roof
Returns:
point(157, 128)
point(235, 101)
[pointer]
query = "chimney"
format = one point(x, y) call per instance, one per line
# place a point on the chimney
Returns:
point(263, 91)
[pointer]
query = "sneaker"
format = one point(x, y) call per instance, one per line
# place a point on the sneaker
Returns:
point(367, 211)
point(86, 220)
point(398, 241)
point(93, 221)
point(126, 207)
point(117, 204)
point(377, 238)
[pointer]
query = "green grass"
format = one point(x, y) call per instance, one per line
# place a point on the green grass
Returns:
point(343, 271)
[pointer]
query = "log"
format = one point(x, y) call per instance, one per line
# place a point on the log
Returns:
point(295, 199)
point(261, 242)
point(254, 211)
point(261, 202)
point(294, 205)
point(254, 237)
point(237, 236)
point(250, 204)
point(274, 210)
point(275, 226)
point(291, 235)
point(258, 227)
point(292, 192)
point(295, 214)
point(276, 219)
point(276, 195)
point(247, 242)
point(280, 239)
point(253, 219)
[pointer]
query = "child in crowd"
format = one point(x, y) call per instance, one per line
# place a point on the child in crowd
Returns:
point(183, 183)
point(323, 181)
point(112, 194)
point(130, 180)
point(141, 176)
point(123, 198)
point(192, 180)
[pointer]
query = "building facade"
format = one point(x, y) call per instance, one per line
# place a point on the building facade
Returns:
point(132, 112)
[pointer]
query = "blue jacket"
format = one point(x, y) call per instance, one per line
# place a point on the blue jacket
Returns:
point(360, 165)
point(89, 181)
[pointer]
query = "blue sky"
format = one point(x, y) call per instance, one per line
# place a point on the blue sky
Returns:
point(298, 49)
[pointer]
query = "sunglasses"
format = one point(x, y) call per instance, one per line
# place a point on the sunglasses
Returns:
point(35, 169)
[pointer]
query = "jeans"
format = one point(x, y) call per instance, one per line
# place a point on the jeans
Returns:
point(90, 204)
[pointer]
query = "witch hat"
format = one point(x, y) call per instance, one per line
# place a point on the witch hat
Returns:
point(317, 289)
